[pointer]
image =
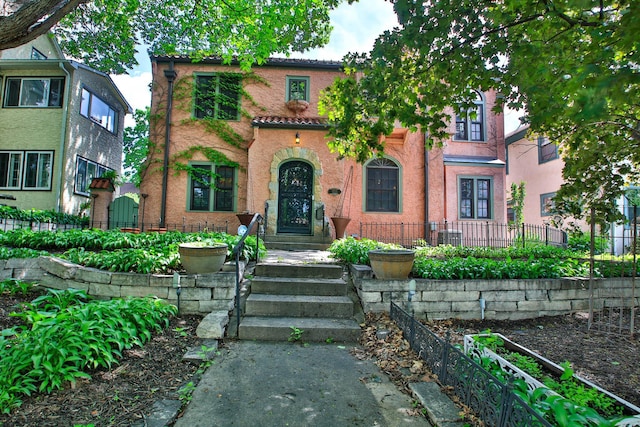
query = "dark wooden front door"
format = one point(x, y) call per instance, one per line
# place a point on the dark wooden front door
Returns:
point(295, 197)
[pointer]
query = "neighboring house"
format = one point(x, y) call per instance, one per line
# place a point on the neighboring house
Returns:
point(536, 161)
point(259, 136)
point(61, 124)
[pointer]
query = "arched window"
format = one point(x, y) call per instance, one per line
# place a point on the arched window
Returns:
point(383, 186)
point(470, 125)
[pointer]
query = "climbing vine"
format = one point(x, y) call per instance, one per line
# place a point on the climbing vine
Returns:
point(212, 100)
point(518, 193)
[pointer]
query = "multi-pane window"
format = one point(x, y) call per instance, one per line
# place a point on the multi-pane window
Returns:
point(95, 108)
point(207, 197)
point(475, 198)
point(470, 124)
point(547, 150)
point(218, 96)
point(383, 179)
point(26, 170)
point(547, 205)
point(297, 88)
point(86, 170)
point(34, 92)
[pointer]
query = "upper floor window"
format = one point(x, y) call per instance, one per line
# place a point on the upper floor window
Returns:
point(34, 92)
point(36, 54)
point(26, 170)
point(218, 96)
point(475, 198)
point(383, 185)
point(297, 88)
point(96, 109)
point(86, 170)
point(470, 125)
point(547, 150)
point(203, 196)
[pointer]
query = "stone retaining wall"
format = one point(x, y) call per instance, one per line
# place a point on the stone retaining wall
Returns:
point(203, 293)
point(504, 299)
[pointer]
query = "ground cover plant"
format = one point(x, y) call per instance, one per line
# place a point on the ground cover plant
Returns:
point(63, 335)
point(574, 404)
point(447, 262)
point(37, 215)
point(115, 250)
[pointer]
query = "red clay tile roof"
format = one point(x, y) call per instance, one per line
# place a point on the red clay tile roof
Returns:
point(290, 122)
point(101, 184)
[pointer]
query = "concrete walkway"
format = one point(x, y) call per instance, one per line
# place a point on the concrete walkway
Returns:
point(293, 384)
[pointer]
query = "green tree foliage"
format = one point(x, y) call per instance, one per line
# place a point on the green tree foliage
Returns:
point(136, 147)
point(104, 33)
point(572, 65)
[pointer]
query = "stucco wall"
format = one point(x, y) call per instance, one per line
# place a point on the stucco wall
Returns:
point(505, 299)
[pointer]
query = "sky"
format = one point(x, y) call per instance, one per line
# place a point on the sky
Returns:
point(355, 28)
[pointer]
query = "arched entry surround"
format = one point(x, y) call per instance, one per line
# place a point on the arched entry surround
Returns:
point(285, 155)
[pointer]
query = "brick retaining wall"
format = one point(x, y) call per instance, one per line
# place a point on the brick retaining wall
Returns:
point(203, 293)
point(505, 299)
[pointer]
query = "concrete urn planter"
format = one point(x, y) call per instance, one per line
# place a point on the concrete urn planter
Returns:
point(202, 257)
point(391, 264)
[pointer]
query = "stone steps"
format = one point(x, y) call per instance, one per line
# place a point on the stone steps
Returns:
point(312, 298)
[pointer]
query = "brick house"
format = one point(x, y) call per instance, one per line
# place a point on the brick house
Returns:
point(277, 161)
point(61, 124)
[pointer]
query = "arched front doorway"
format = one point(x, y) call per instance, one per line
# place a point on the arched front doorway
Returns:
point(295, 197)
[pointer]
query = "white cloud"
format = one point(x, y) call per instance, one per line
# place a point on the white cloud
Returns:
point(136, 90)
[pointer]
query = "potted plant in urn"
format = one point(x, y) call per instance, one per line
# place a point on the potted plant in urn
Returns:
point(203, 257)
point(391, 264)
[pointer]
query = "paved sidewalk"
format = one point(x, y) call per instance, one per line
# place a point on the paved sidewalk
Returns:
point(290, 384)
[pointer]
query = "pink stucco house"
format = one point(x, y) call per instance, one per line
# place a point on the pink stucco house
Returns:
point(259, 137)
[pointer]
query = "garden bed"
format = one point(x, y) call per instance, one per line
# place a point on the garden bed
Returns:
point(539, 372)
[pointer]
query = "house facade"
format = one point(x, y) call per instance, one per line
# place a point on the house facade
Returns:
point(61, 124)
point(259, 138)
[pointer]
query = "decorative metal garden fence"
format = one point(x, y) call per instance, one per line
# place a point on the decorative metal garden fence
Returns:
point(487, 234)
point(494, 402)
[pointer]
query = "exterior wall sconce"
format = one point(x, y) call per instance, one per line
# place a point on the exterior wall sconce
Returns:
point(297, 137)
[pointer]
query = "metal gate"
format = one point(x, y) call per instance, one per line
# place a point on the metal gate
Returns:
point(295, 198)
point(123, 212)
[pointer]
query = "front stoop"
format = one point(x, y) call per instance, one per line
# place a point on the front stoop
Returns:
point(313, 298)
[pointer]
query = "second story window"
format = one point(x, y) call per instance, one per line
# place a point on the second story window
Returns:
point(547, 150)
point(470, 125)
point(34, 92)
point(218, 96)
point(298, 88)
point(97, 110)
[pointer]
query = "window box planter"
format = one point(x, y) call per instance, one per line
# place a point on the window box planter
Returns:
point(297, 105)
point(202, 257)
point(391, 264)
point(473, 349)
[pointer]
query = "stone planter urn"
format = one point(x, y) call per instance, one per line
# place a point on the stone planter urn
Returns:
point(202, 257)
point(391, 264)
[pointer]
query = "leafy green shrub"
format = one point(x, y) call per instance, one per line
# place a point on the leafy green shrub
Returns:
point(115, 250)
point(475, 268)
point(35, 215)
point(65, 334)
point(352, 251)
point(581, 242)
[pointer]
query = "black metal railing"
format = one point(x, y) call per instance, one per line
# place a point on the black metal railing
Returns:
point(491, 400)
point(236, 251)
point(463, 233)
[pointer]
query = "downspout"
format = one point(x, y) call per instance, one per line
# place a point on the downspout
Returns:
point(63, 137)
point(170, 74)
point(427, 225)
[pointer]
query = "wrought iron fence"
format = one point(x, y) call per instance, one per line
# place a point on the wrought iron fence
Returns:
point(492, 401)
point(135, 227)
point(488, 234)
